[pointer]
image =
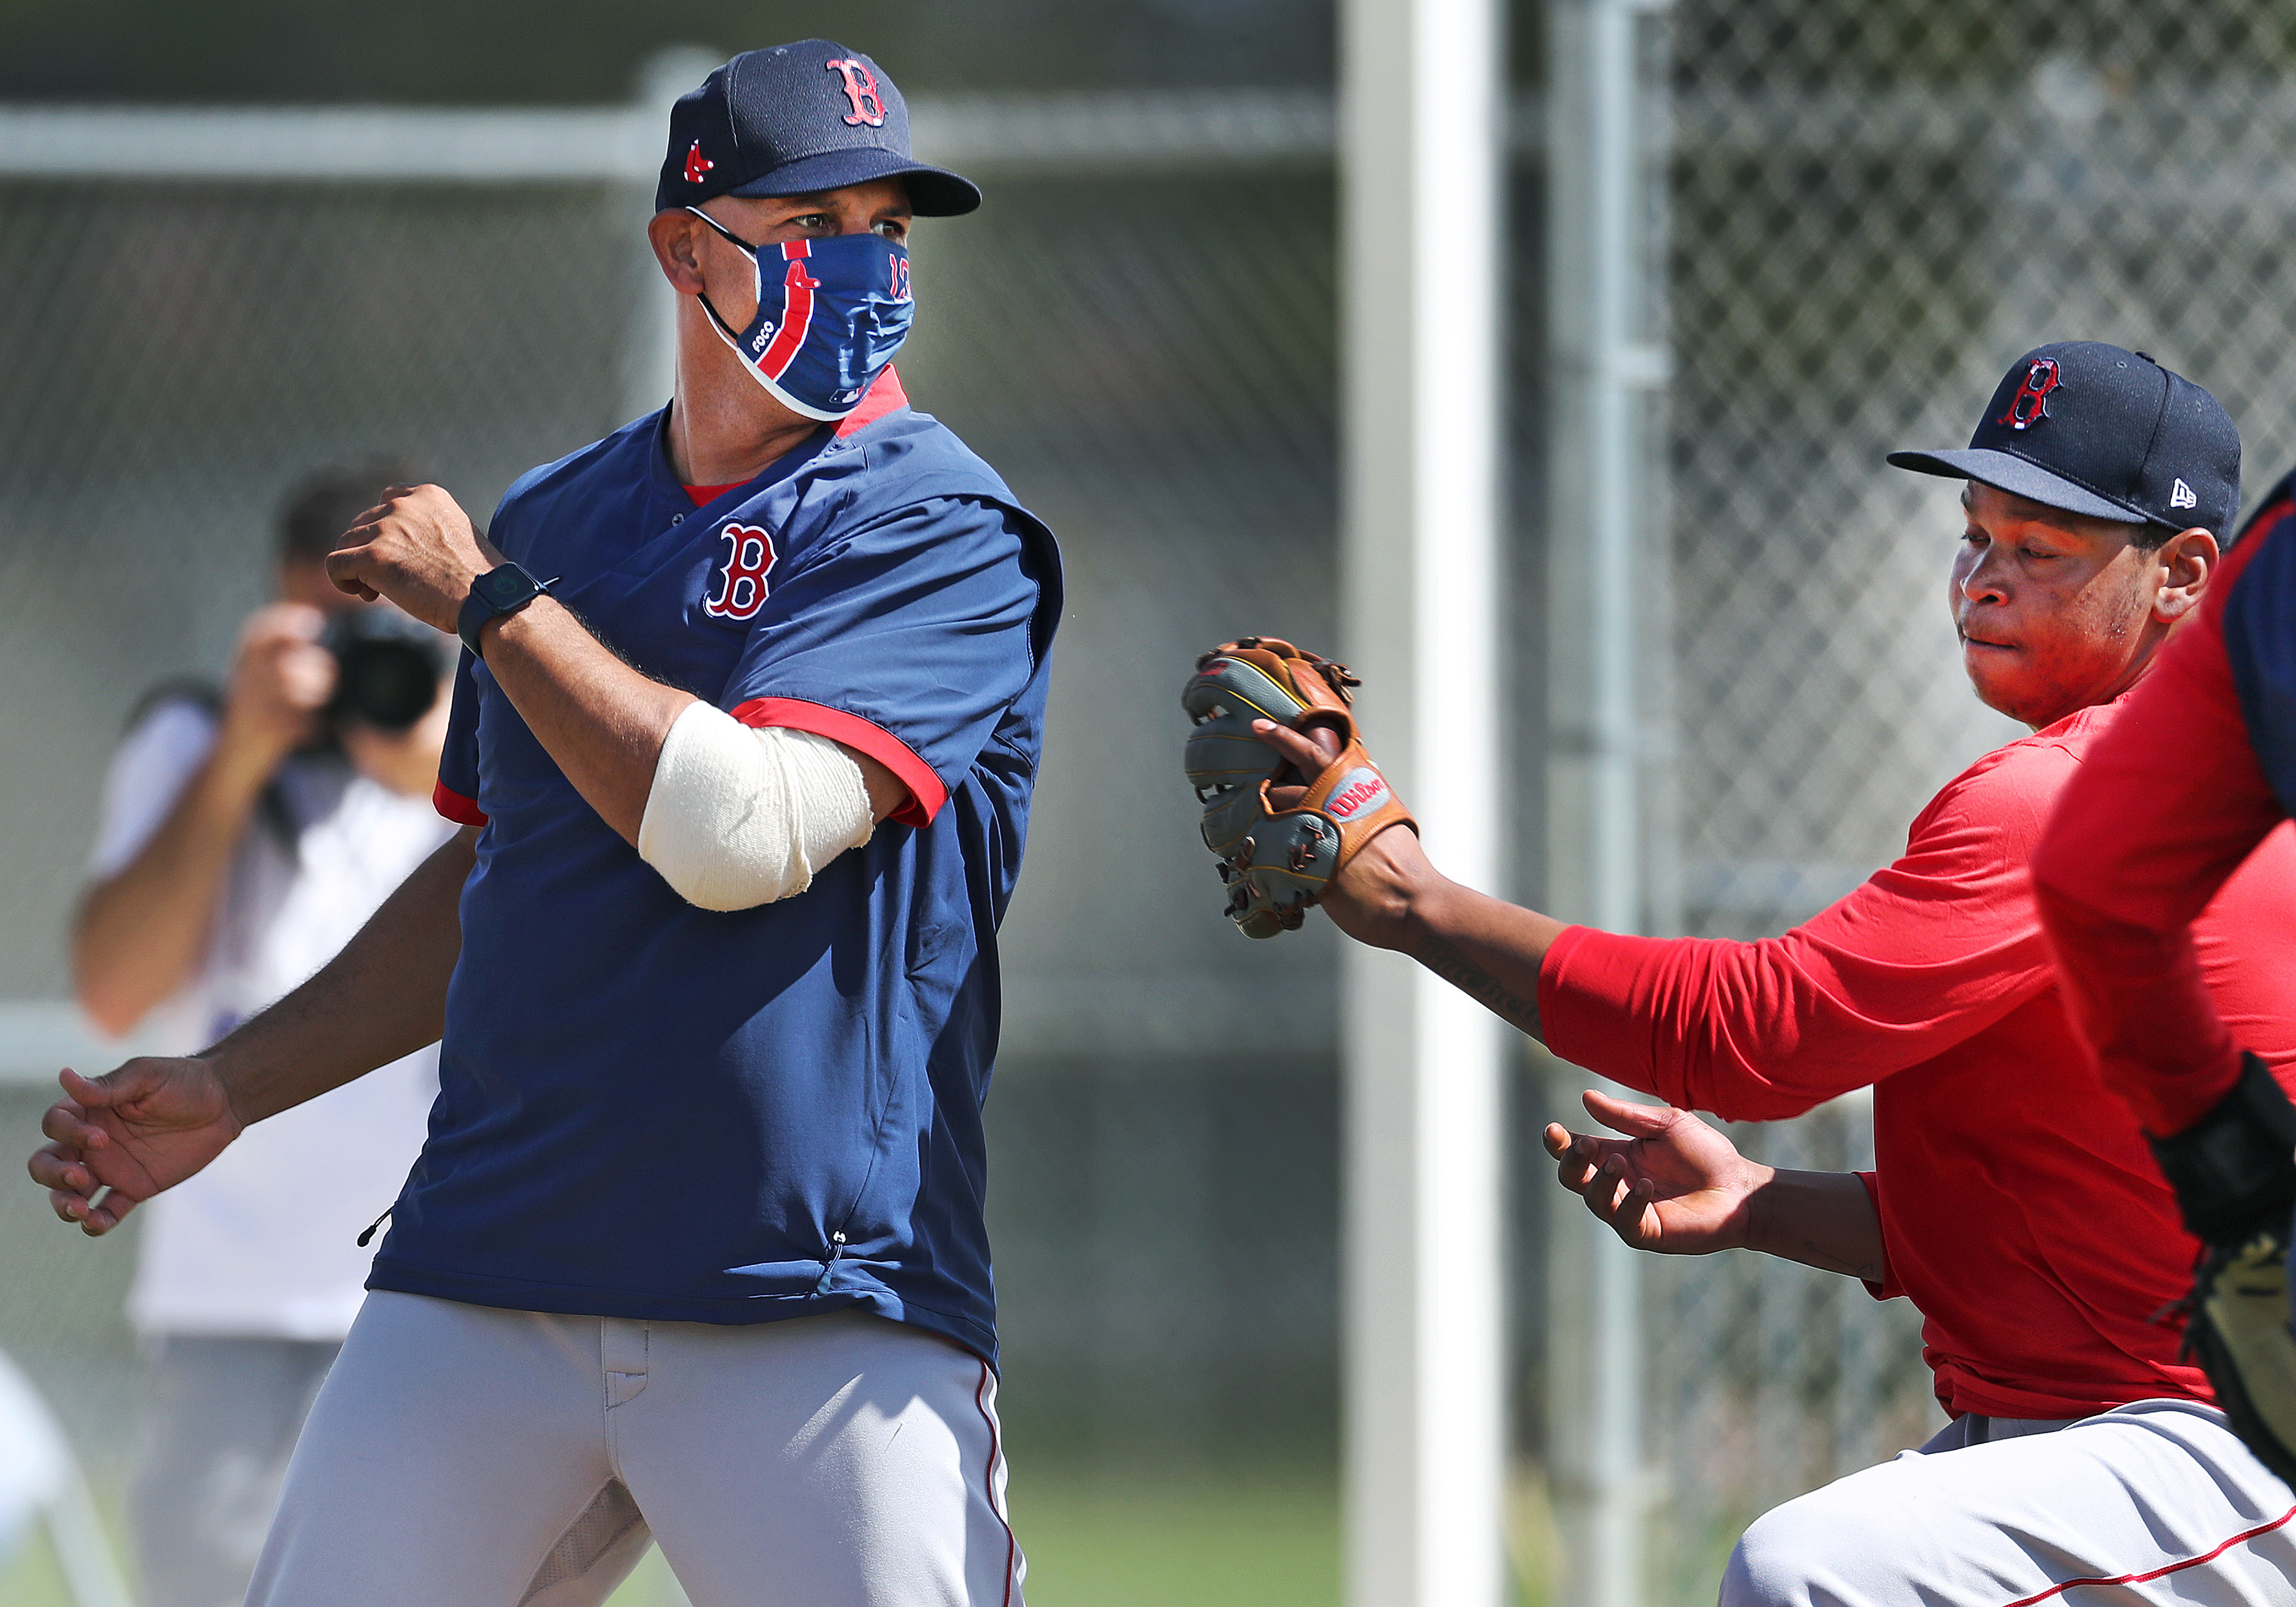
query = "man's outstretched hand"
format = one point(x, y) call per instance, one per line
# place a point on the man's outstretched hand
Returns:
point(120, 1138)
point(1673, 1185)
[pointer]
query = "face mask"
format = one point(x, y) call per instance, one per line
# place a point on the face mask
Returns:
point(830, 316)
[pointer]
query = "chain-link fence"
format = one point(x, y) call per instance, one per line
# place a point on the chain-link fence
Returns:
point(1872, 208)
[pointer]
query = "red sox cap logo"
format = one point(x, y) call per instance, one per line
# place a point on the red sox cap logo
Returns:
point(743, 593)
point(861, 90)
point(2030, 405)
point(696, 164)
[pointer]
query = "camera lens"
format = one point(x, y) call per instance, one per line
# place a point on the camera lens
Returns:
point(387, 666)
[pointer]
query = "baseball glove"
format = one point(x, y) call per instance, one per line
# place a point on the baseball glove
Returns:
point(1277, 860)
point(2234, 1175)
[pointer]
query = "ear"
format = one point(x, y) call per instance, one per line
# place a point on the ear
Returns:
point(2185, 560)
point(674, 236)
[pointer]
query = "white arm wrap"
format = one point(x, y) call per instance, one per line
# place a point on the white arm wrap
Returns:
point(740, 817)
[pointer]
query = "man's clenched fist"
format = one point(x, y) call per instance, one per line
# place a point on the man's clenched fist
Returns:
point(418, 549)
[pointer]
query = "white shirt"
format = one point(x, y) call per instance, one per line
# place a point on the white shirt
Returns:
point(262, 1242)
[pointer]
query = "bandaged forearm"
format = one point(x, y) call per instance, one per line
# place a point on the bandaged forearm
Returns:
point(740, 816)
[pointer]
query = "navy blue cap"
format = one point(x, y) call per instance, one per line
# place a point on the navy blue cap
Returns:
point(795, 120)
point(2111, 434)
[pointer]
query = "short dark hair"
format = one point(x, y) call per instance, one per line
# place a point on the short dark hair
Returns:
point(323, 504)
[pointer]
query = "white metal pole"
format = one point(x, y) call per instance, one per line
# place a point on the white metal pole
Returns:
point(1601, 283)
point(1423, 331)
point(1601, 313)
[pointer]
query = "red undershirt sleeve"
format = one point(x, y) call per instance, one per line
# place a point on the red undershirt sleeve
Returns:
point(1933, 949)
point(2168, 802)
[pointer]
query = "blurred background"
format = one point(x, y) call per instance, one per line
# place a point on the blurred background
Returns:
point(215, 277)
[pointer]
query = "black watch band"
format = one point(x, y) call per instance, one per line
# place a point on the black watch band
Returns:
point(503, 589)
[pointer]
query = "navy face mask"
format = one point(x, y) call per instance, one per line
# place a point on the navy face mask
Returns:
point(830, 316)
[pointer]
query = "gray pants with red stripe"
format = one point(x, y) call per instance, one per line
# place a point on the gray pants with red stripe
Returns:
point(463, 1457)
point(2156, 1502)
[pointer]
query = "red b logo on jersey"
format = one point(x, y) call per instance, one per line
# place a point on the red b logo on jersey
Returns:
point(745, 574)
point(2030, 405)
point(861, 90)
point(696, 164)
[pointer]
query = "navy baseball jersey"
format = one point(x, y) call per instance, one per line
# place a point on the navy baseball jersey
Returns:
point(653, 1110)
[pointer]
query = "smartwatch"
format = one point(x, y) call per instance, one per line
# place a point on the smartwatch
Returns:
point(503, 589)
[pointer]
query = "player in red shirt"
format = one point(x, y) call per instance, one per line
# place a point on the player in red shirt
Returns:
point(2015, 1206)
point(2191, 789)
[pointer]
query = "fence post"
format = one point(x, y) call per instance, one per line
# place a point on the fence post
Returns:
point(1603, 310)
point(1422, 339)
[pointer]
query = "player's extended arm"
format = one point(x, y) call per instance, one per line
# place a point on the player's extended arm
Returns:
point(1938, 947)
point(1676, 1186)
point(141, 931)
point(118, 1139)
point(601, 720)
point(1391, 896)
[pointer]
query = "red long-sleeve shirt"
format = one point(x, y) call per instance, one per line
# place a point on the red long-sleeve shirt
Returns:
point(2020, 1208)
point(2170, 805)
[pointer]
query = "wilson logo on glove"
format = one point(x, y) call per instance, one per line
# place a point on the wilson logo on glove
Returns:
point(1277, 861)
point(1357, 788)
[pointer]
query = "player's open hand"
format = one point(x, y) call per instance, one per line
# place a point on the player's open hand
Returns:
point(1673, 1185)
point(120, 1138)
point(418, 549)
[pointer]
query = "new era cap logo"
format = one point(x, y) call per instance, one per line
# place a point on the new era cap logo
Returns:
point(2180, 496)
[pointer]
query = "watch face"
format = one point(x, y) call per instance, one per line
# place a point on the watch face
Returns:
point(501, 588)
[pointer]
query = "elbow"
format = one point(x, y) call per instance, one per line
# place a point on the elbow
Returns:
point(105, 986)
point(739, 818)
point(111, 1002)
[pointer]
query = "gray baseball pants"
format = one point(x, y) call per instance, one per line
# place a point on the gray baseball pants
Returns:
point(463, 1456)
point(2156, 1502)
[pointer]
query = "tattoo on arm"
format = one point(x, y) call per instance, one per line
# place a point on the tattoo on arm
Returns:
point(1814, 1254)
point(1445, 960)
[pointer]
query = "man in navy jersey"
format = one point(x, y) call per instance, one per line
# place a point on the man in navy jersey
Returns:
point(743, 740)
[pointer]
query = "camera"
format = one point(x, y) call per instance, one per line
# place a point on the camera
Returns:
point(388, 667)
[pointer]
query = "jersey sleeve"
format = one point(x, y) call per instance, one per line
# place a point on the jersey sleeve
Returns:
point(457, 794)
point(1934, 949)
point(149, 772)
point(2168, 802)
point(906, 640)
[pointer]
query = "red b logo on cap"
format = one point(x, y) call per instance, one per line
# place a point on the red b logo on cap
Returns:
point(861, 90)
point(2030, 405)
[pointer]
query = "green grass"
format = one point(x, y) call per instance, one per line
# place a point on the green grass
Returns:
point(1180, 1539)
point(29, 1578)
point(1172, 1539)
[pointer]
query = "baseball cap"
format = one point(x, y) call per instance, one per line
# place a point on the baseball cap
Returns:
point(2111, 434)
point(794, 119)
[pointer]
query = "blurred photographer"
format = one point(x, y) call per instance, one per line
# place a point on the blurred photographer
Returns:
point(245, 835)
